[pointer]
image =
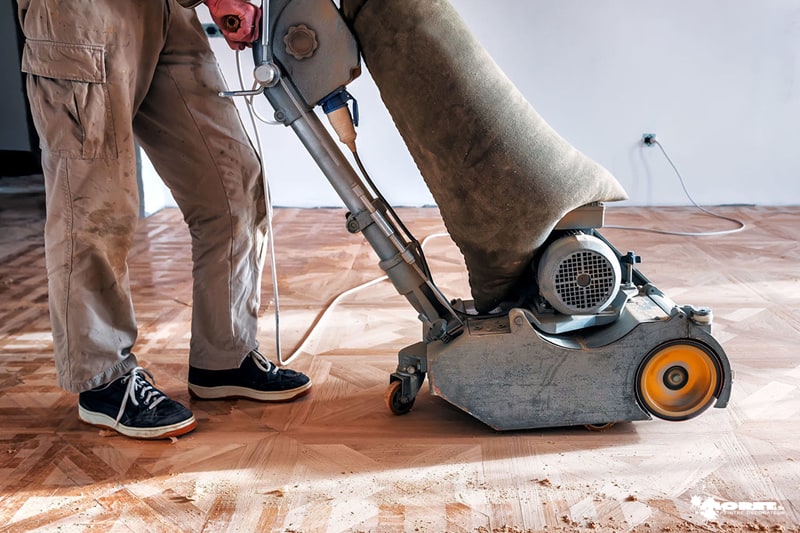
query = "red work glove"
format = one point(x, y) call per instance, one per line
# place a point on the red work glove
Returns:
point(238, 20)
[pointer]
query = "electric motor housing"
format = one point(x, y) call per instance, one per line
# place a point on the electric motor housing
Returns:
point(579, 274)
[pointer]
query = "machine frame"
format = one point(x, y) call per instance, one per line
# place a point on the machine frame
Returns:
point(516, 368)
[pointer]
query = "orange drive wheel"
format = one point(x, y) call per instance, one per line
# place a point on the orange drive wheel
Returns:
point(679, 380)
point(395, 401)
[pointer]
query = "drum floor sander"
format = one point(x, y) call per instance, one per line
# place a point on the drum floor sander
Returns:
point(562, 328)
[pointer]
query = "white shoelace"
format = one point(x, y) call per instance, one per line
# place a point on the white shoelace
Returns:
point(263, 363)
point(139, 389)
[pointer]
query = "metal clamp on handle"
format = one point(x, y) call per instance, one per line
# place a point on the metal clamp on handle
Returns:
point(266, 73)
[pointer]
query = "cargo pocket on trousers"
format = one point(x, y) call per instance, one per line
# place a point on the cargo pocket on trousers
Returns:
point(69, 99)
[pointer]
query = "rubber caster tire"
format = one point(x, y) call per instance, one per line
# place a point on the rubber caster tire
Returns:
point(599, 427)
point(394, 400)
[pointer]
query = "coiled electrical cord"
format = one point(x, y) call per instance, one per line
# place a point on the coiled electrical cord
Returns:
point(269, 243)
point(741, 225)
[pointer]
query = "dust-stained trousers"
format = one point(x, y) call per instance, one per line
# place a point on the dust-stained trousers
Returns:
point(101, 76)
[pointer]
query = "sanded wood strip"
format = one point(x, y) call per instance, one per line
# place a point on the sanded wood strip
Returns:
point(337, 460)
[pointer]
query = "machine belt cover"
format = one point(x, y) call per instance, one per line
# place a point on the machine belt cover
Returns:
point(501, 176)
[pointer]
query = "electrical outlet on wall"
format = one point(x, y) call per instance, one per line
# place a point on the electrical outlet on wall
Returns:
point(211, 29)
point(649, 138)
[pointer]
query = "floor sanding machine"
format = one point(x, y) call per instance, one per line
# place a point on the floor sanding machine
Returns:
point(579, 337)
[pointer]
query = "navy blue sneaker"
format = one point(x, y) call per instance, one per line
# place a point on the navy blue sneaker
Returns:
point(257, 378)
point(133, 407)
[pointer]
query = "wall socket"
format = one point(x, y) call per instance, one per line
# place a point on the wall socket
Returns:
point(649, 138)
point(212, 30)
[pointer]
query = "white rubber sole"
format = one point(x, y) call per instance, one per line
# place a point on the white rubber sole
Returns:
point(230, 391)
point(163, 432)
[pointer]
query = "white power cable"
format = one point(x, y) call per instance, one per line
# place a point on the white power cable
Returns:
point(341, 296)
point(270, 242)
point(741, 224)
point(249, 99)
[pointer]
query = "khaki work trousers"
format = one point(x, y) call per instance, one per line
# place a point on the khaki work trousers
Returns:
point(102, 73)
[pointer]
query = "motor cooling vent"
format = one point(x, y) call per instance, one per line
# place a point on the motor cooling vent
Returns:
point(579, 275)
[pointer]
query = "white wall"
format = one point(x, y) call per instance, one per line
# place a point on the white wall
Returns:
point(153, 194)
point(718, 81)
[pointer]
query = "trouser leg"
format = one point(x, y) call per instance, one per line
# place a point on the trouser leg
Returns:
point(199, 147)
point(92, 317)
point(88, 66)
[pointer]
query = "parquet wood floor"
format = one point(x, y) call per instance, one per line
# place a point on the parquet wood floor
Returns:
point(337, 460)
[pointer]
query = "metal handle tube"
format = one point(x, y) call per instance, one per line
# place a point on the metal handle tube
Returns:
point(323, 149)
point(406, 275)
point(265, 29)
